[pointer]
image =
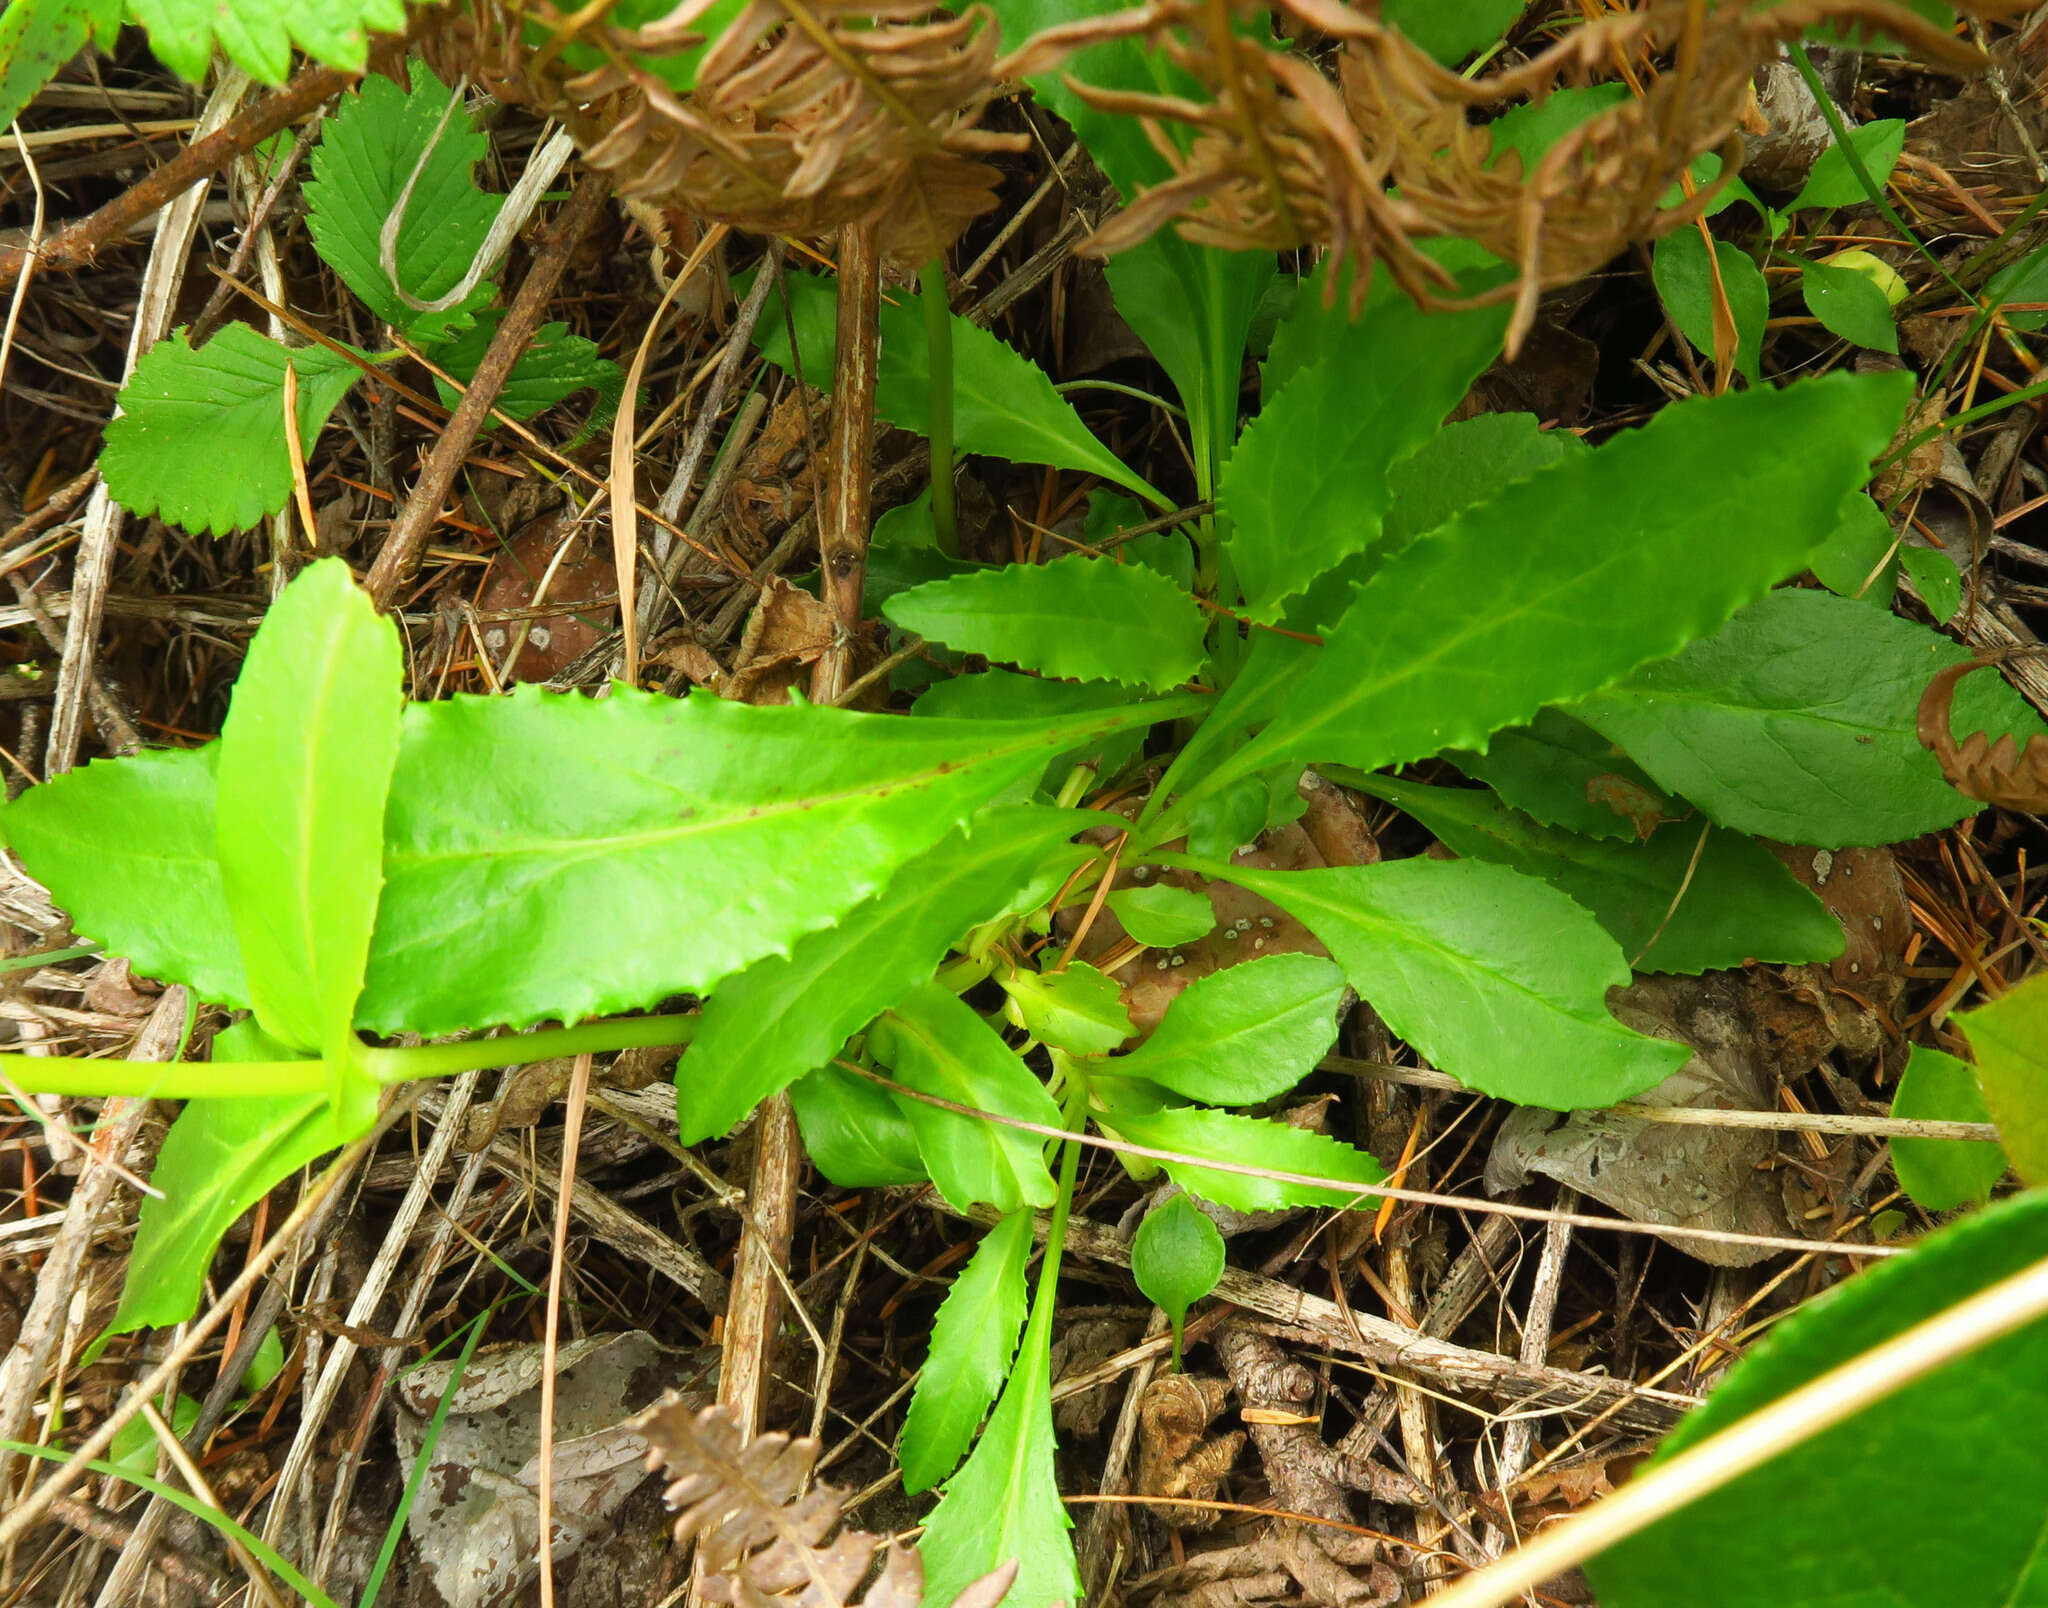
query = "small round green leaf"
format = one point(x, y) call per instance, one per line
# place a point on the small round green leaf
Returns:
point(1177, 1259)
point(1163, 916)
point(1942, 1174)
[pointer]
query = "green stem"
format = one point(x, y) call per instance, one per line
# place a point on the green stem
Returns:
point(1074, 1112)
point(202, 1080)
point(938, 332)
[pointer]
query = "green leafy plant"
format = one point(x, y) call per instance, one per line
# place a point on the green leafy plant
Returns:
point(201, 437)
point(1176, 1258)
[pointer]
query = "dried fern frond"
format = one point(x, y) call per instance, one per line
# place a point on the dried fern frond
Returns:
point(2000, 773)
point(805, 115)
point(763, 1541)
point(1265, 161)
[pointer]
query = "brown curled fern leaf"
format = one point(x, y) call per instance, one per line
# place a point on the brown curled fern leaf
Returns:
point(1266, 160)
point(2000, 773)
point(763, 1540)
point(801, 115)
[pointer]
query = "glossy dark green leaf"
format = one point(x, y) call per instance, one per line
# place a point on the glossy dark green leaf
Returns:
point(1498, 979)
point(200, 440)
point(1176, 1258)
point(1674, 904)
point(1849, 304)
point(1932, 1497)
point(684, 822)
point(1796, 721)
point(1162, 916)
point(857, 1135)
point(1086, 618)
point(938, 1046)
point(2009, 1038)
point(1004, 1506)
point(1684, 276)
point(1244, 1034)
point(1308, 486)
point(1250, 1142)
point(973, 1337)
point(1078, 1010)
point(1564, 773)
point(219, 1158)
point(365, 157)
point(126, 847)
point(1942, 1174)
point(306, 760)
point(1648, 538)
point(786, 1014)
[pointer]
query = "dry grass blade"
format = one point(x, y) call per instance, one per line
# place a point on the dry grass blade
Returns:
point(1272, 159)
point(2000, 773)
point(763, 1541)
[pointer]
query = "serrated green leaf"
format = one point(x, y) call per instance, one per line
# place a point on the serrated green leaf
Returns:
point(1564, 773)
point(1004, 1506)
point(306, 759)
point(1085, 618)
point(973, 1338)
point(1796, 719)
point(1161, 916)
point(1176, 1258)
point(1684, 277)
point(126, 846)
point(786, 1014)
point(1244, 1034)
point(555, 364)
point(1004, 405)
point(1307, 486)
point(1452, 32)
point(1931, 1497)
point(258, 35)
point(1649, 537)
point(938, 1046)
point(1833, 182)
point(219, 1158)
point(200, 439)
point(1937, 579)
point(2009, 1038)
point(1078, 1010)
point(1464, 465)
point(679, 819)
point(1942, 1174)
point(368, 152)
point(1009, 695)
point(855, 1133)
point(1499, 979)
point(1707, 906)
point(1250, 1142)
point(37, 37)
point(1849, 304)
point(1854, 561)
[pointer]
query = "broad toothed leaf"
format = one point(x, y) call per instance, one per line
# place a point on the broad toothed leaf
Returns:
point(200, 439)
point(973, 1337)
point(258, 35)
point(37, 37)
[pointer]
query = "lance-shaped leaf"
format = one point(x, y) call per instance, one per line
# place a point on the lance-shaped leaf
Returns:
point(973, 1337)
point(786, 1014)
point(1464, 465)
point(1574, 576)
point(1935, 1496)
point(219, 1158)
point(200, 438)
point(1796, 721)
point(1004, 1506)
point(2009, 1038)
point(1499, 979)
point(938, 1046)
point(1674, 903)
point(1942, 1174)
point(1247, 1033)
point(857, 1135)
point(1089, 619)
point(1250, 1142)
point(645, 846)
point(305, 763)
point(1308, 484)
point(126, 847)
